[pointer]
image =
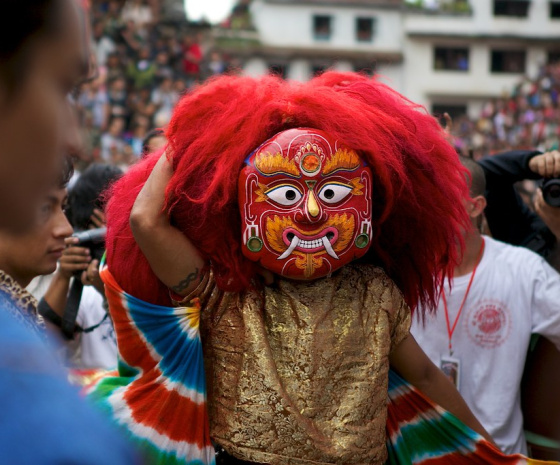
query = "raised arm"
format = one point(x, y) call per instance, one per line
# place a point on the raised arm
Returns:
point(171, 255)
point(410, 361)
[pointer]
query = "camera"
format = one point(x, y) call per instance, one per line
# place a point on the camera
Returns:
point(551, 191)
point(94, 240)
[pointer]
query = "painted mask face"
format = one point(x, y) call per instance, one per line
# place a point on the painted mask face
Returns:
point(305, 204)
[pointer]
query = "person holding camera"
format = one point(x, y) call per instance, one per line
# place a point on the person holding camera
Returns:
point(547, 199)
point(509, 218)
point(75, 300)
point(90, 337)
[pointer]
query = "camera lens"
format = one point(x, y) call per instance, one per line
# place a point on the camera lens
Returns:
point(551, 192)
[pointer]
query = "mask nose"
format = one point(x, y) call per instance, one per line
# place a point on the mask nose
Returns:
point(312, 210)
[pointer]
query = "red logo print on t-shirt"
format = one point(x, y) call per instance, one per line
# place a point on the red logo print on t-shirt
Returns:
point(488, 323)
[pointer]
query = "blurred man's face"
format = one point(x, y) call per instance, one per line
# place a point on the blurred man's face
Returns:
point(37, 251)
point(156, 143)
point(37, 124)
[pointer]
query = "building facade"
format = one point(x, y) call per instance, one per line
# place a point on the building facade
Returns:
point(451, 58)
point(458, 62)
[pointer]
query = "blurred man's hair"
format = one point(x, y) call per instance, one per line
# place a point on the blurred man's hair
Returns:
point(86, 194)
point(66, 172)
point(34, 19)
point(151, 135)
point(476, 180)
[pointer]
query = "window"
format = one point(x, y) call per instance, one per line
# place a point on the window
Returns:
point(317, 70)
point(516, 8)
point(364, 29)
point(367, 68)
point(554, 9)
point(553, 57)
point(279, 69)
point(508, 61)
point(322, 27)
point(451, 59)
point(455, 111)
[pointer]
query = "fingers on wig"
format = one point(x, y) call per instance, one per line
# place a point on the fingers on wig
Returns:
point(419, 185)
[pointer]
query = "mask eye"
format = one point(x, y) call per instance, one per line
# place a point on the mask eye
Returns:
point(284, 195)
point(334, 192)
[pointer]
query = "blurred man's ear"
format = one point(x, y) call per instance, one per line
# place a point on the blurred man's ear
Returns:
point(476, 206)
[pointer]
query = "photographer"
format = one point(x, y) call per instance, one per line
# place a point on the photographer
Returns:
point(509, 218)
point(76, 293)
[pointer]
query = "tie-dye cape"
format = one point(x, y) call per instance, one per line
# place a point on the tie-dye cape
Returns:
point(159, 396)
point(420, 432)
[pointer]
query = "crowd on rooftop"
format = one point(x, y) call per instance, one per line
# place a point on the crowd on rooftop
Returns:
point(527, 117)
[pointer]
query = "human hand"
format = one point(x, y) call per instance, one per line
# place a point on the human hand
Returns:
point(549, 214)
point(546, 165)
point(98, 219)
point(73, 258)
point(90, 277)
point(148, 209)
point(448, 128)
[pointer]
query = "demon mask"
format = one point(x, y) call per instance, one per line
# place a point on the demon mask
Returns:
point(305, 202)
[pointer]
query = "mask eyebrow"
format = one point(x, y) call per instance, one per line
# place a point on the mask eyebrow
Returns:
point(273, 173)
point(342, 160)
point(270, 164)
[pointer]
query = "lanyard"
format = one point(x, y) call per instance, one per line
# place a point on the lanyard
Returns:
point(451, 329)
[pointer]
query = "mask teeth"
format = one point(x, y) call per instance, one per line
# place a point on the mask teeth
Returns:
point(288, 252)
point(328, 248)
point(310, 244)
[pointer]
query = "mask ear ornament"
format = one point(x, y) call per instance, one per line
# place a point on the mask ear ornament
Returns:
point(254, 242)
point(363, 239)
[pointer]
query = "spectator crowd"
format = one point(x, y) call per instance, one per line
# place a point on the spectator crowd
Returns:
point(143, 66)
point(526, 118)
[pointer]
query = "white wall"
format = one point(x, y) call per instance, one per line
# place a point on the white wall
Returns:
point(291, 25)
point(414, 35)
point(392, 75)
point(537, 24)
point(424, 84)
point(255, 67)
point(421, 80)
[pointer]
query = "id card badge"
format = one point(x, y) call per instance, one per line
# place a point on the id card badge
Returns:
point(451, 368)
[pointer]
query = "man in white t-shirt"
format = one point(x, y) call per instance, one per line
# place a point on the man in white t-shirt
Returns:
point(98, 343)
point(499, 296)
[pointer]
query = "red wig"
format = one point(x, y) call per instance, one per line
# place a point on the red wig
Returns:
point(419, 184)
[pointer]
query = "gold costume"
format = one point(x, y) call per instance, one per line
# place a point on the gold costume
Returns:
point(297, 372)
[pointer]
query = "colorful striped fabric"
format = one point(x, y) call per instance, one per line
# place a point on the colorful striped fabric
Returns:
point(420, 432)
point(159, 397)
